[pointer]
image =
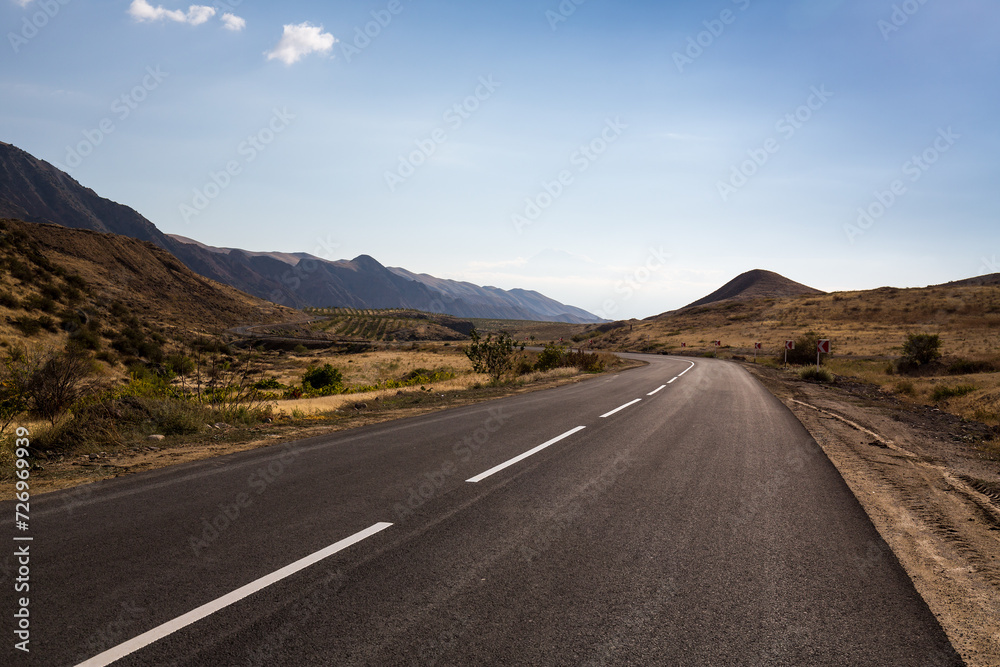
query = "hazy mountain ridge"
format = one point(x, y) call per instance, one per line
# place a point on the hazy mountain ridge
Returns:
point(35, 191)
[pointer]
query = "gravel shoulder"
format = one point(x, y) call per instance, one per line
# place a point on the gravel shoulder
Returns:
point(930, 488)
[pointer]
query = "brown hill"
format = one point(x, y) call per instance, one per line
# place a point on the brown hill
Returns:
point(113, 272)
point(991, 279)
point(755, 284)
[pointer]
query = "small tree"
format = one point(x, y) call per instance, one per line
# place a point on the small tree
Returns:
point(922, 348)
point(919, 350)
point(492, 356)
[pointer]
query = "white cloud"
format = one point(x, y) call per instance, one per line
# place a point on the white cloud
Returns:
point(23, 3)
point(233, 22)
point(141, 10)
point(301, 40)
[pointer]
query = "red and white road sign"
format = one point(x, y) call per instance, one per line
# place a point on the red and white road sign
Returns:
point(758, 346)
point(718, 343)
point(684, 344)
point(789, 344)
point(823, 347)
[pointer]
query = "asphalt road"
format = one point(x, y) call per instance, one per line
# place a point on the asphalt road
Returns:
point(700, 525)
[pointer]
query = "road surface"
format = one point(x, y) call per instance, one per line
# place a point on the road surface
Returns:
point(675, 514)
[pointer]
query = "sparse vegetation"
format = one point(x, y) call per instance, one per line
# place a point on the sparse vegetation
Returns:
point(491, 356)
point(814, 374)
point(944, 393)
point(804, 352)
point(967, 367)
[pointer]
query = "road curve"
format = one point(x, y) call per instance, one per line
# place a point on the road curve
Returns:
point(674, 514)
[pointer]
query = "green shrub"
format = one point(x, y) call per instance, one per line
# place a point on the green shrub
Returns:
point(588, 362)
point(966, 367)
point(492, 356)
point(805, 350)
point(323, 377)
point(816, 375)
point(268, 383)
point(905, 387)
point(944, 393)
point(8, 300)
point(919, 350)
point(551, 357)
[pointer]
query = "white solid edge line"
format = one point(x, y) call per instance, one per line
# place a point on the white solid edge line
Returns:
point(657, 390)
point(620, 407)
point(506, 464)
point(674, 380)
point(201, 612)
point(687, 369)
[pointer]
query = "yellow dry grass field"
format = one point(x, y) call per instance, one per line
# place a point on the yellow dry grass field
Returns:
point(305, 407)
point(369, 368)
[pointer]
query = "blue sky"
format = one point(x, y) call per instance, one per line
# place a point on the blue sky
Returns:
point(626, 158)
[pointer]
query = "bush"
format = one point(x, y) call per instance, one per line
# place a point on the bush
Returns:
point(816, 375)
point(8, 300)
point(905, 387)
point(921, 349)
point(805, 350)
point(492, 356)
point(322, 378)
point(588, 362)
point(48, 323)
point(55, 381)
point(268, 383)
point(28, 325)
point(551, 357)
point(966, 367)
point(944, 393)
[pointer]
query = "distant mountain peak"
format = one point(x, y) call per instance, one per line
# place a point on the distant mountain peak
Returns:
point(756, 284)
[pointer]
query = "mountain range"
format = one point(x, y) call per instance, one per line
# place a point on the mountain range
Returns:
point(35, 191)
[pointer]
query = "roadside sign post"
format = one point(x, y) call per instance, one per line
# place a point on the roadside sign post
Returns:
point(822, 347)
point(756, 346)
point(789, 345)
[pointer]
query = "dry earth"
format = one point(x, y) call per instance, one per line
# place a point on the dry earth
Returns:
point(931, 488)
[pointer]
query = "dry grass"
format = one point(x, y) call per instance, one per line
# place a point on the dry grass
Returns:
point(466, 381)
point(865, 324)
point(981, 404)
point(370, 368)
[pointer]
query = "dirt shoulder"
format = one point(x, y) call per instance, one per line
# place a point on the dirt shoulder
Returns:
point(931, 487)
point(71, 470)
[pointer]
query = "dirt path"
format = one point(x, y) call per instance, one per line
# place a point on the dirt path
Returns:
point(930, 490)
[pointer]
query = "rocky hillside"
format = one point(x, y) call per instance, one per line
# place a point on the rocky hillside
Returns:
point(54, 280)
